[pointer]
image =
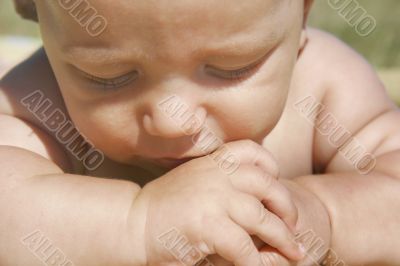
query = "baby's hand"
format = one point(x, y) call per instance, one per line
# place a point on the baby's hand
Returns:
point(216, 213)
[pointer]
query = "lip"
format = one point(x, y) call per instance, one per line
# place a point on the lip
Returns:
point(180, 160)
point(174, 162)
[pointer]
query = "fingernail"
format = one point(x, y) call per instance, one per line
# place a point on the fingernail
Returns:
point(302, 249)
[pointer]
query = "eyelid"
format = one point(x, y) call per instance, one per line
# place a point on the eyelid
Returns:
point(115, 82)
point(241, 72)
point(238, 67)
point(234, 73)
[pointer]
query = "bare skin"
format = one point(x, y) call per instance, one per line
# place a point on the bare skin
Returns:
point(258, 106)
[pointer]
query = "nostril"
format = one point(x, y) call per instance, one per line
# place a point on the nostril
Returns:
point(177, 125)
point(162, 126)
point(147, 123)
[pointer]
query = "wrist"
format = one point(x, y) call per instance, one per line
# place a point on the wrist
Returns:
point(314, 222)
point(133, 239)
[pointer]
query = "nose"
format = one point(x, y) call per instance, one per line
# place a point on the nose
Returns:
point(173, 117)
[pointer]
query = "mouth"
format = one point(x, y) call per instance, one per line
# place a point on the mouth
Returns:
point(177, 161)
point(173, 161)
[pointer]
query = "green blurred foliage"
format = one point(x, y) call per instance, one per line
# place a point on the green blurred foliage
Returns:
point(11, 23)
point(381, 48)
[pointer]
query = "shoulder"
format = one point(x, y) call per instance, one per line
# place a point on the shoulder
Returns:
point(34, 73)
point(348, 90)
point(342, 70)
point(348, 81)
point(27, 92)
point(334, 62)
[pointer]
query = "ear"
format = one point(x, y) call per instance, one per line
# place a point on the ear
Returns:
point(26, 8)
point(304, 37)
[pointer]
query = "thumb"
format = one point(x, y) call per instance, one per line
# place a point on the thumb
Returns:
point(271, 257)
point(248, 152)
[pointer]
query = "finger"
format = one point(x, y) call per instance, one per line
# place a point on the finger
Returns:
point(227, 239)
point(249, 152)
point(251, 215)
point(217, 260)
point(258, 242)
point(272, 257)
point(275, 196)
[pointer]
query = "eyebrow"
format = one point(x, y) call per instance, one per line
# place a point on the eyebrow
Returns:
point(232, 48)
point(105, 56)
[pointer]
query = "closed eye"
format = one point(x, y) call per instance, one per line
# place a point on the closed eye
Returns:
point(112, 83)
point(238, 74)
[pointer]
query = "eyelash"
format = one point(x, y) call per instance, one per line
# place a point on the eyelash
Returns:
point(242, 73)
point(233, 75)
point(115, 82)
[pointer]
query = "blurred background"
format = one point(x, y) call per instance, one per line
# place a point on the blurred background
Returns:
point(381, 47)
point(18, 37)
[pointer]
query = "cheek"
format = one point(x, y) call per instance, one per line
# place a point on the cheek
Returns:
point(251, 113)
point(110, 128)
point(254, 109)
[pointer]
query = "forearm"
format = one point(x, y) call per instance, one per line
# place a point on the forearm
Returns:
point(364, 213)
point(313, 223)
point(85, 218)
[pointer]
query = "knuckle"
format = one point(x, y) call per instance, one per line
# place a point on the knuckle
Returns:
point(294, 212)
point(264, 217)
point(290, 242)
point(270, 160)
point(229, 146)
point(247, 142)
point(248, 147)
point(270, 259)
point(251, 144)
point(285, 192)
point(245, 248)
point(253, 147)
point(208, 223)
point(268, 179)
point(275, 170)
point(255, 171)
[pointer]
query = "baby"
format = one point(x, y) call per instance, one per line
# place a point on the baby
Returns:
point(154, 133)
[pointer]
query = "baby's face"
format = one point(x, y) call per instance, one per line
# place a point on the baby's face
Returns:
point(229, 61)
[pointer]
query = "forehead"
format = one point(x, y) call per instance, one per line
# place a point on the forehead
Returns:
point(169, 24)
point(195, 14)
